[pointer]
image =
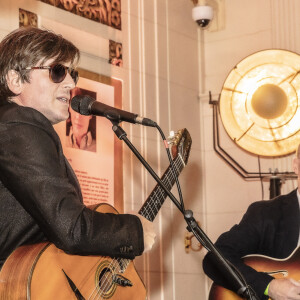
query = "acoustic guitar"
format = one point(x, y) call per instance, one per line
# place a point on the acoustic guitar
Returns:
point(277, 268)
point(44, 272)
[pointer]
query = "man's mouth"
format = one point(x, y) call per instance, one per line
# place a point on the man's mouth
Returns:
point(63, 99)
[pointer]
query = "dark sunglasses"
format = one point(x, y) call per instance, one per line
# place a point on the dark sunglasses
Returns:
point(58, 72)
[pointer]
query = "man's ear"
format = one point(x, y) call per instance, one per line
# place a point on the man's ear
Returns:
point(14, 82)
point(296, 163)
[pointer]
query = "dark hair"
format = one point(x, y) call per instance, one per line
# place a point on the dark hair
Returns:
point(27, 46)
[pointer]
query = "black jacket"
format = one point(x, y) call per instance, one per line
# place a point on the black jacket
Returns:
point(269, 228)
point(40, 197)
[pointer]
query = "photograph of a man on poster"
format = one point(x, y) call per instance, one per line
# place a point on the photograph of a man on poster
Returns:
point(80, 129)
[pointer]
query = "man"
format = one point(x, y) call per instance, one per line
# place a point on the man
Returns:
point(269, 228)
point(80, 137)
point(40, 197)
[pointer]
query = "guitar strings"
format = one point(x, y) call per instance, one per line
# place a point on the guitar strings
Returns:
point(104, 286)
point(100, 290)
point(163, 196)
point(169, 184)
point(165, 181)
point(159, 193)
point(94, 292)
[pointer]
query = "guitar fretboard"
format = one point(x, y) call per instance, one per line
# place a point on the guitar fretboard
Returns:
point(154, 202)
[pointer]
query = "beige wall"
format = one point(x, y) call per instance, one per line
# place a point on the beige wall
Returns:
point(162, 84)
point(250, 27)
point(169, 67)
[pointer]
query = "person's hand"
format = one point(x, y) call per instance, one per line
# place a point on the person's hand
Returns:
point(149, 233)
point(284, 289)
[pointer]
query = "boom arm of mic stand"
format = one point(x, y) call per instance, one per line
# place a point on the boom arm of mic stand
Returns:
point(188, 216)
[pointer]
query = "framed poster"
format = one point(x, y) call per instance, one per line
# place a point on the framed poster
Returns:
point(90, 145)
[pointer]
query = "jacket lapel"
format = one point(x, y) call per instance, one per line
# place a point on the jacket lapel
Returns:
point(290, 224)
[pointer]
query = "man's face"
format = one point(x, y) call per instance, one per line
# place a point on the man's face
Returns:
point(49, 98)
point(296, 167)
point(80, 123)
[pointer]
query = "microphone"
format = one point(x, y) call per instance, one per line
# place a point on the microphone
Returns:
point(86, 105)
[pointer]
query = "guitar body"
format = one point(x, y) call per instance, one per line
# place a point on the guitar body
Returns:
point(38, 272)
point(44, 272)
point(278, 268)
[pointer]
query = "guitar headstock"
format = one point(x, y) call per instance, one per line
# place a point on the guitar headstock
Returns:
point(181, 143)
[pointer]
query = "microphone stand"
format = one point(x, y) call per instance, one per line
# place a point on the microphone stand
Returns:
point(243, 289)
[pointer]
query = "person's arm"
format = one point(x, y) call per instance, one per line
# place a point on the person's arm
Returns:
point(243, 239)
point(34, 170)
point(285, 288)
point(149, 232)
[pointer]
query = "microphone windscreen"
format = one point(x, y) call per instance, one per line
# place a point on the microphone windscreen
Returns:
point(75, 102)
point(81, 104)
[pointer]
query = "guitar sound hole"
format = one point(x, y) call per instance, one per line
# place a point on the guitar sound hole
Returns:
point(105, 280)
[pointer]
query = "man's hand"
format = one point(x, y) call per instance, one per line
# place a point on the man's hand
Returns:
point(149, 233)
point(284, 289)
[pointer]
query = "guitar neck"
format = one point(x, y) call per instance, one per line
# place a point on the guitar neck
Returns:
point(156, 199)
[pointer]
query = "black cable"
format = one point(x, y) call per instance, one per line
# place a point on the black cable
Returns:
point(249, 292)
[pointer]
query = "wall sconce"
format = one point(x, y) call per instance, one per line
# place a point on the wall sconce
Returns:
point(260, 103)
point(275, 177)
point(260, 110)
point(190, 243)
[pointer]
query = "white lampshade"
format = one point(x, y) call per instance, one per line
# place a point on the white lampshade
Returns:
point(259, 103)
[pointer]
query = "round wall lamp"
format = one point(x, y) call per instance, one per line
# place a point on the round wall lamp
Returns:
point(260, 103)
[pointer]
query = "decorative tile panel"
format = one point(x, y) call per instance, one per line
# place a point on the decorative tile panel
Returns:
point(115, 53)
point(27, 18)
point(107, 12)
